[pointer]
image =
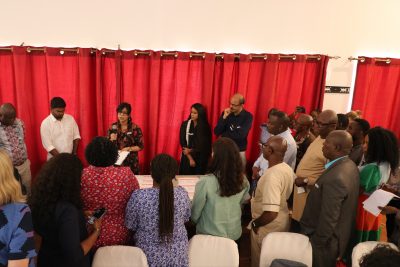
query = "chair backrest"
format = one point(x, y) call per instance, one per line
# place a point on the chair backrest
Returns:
point(288, 246)
point(121, 256)
point(213, 251)
point(364, 248)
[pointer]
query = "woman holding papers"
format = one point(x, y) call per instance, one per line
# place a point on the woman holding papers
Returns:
point(127, 136)
point(109, 187)
point(195, 140)
point(381, 159)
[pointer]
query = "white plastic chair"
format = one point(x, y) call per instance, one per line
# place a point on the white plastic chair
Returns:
point(212, 251)
point(364, 248)
point(288, 246)
point(121, 256)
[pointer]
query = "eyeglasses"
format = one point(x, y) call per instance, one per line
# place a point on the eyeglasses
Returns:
point(123, 114)
point(235, 105)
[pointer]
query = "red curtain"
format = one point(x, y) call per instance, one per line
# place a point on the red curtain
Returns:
point(377, 93)
point(160, 86)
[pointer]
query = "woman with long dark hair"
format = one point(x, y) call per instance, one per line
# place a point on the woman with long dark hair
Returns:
point(127, 136)
point(157, 215)
point(216, 207)
point(195, 139)
point(381, 156)
point(58, 217)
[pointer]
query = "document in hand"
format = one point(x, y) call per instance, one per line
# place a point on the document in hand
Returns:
point(121, 156)
point(379, 198)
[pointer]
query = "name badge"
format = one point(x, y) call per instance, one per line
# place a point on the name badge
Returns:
point(129, 133)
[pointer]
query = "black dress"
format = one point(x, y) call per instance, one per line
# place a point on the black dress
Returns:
point(199, 140)
point(61, 238)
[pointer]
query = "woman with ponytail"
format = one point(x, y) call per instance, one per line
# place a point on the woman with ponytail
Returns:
point(157, 215)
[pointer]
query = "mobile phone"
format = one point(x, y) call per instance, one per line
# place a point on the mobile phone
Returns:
point(97, 214)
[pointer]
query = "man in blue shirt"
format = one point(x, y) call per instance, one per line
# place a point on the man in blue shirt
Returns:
point(235, 123)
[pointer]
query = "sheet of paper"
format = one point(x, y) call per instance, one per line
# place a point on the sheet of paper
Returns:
point(121, 156)
point(379, 198)
point(300, 190)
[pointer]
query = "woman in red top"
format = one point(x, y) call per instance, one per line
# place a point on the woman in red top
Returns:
point(104, 185)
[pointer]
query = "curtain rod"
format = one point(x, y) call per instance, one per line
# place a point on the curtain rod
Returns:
point(377, 59)
point(174, 54)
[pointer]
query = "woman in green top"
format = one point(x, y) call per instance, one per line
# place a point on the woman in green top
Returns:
point(382, 158)
point(216, 207)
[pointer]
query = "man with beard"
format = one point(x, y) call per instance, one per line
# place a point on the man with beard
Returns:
point(59, 131)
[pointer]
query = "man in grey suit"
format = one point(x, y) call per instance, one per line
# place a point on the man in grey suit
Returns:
point(331, 207)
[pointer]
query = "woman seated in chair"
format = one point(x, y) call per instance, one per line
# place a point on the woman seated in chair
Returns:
point(157, 215)
point(17, 246)
point(109, 187)
point(218, 196)
point(58, 217)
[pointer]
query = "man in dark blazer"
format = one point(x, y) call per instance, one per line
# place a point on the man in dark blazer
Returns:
point(331, 207)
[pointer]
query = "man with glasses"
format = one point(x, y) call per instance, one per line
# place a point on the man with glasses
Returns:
point(312, 164)
point(269, 208)
point(59, 131)
point(235, 123)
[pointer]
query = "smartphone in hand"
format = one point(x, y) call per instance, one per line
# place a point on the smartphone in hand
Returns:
point(97, 214)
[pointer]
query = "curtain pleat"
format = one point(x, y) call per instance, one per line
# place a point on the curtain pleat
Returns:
point(160, 88)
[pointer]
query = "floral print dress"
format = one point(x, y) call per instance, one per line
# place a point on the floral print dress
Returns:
point(109, 187)
point(142, 217)
point(133, 136)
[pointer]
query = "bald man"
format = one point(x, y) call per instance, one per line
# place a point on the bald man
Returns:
point(12, 140)
point(303, 136)
point(269, 208)
point(331, 207)
point(235, 123)
point(312, 164)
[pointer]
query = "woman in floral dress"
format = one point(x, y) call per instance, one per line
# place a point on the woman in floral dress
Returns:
point(127, 136)
point(106, 186)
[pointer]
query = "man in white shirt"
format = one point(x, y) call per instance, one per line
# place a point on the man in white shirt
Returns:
point(278, 124)
point(59, 131)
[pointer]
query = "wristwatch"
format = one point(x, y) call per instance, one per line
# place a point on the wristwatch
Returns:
point(253, 225)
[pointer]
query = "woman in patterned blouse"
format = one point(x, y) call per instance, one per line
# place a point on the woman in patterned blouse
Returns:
point(16, 231)
point(106, 186)
point(157, 215)
point(127, 136)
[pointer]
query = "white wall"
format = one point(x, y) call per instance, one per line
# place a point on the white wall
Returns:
point(341, 27)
